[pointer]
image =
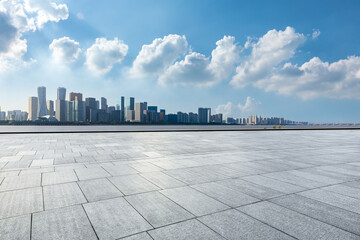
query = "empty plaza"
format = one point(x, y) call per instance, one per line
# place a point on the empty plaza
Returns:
point(181, 185)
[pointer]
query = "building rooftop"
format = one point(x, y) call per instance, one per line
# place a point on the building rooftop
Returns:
point(181, 185)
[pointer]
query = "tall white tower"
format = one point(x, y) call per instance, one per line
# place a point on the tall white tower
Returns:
point(42, 110)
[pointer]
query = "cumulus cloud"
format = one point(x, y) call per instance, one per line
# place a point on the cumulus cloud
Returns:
point(154, 58)
point(249, 106)
point(103, 54)
point(316, 78)
point(225, 109)
point(197, 69)
point(65, 50)
point(269, 51)
point(18, 17)
point(316, 33)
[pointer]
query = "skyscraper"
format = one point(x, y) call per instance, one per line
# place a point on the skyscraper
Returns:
point(139, 112)
point(91, 109)
point(204, 115)
point(50, 108)
point(42, 110)
point(130, 104)
point(122, 109)
point(60, 113)
point(61, 93)
point(103, 104)
point(75, 96)
point(33, 108)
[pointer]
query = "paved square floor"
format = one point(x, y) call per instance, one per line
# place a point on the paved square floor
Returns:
point(181, 185)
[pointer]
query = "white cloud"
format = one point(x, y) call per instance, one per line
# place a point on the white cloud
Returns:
point(316, 33)
point(249, 106)
point(18, 17)
point(197, 69)
point(268, 52)
point(103, 54)
point(316, 78)
point(46, 11)
point(65, 50)
point(154, 58)
point(225, 109)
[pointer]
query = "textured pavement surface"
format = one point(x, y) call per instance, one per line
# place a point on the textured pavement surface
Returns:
point(186, 185)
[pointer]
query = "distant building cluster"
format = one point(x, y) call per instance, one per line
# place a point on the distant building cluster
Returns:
point(76, 108)
point(258, 120)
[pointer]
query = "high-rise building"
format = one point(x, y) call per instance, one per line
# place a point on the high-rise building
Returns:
point(130, 115)
point(61, 93)
point(139, 112)
point(75, 96)
point(91, 109)
point(204, 115)
point(130, 104)
point(122, 109)
point(153, 108)
point(60, 104)
point(103, 104)
point(50, 108)
point(42, 110)
point(2, 115)
point(33, 108)
point(193, 117)
point(217, 118)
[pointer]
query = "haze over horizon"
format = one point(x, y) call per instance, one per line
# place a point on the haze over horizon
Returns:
point(296, 60)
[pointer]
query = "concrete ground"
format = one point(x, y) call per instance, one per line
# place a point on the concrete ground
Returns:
point(181, 185)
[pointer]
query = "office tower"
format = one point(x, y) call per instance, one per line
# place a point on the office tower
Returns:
point(204, 115)
point(182, 117)
point(42, 110)
point(2, 115)
point(130, 115)
point(103, 104)
point(50, 108)
point(75, 96)
point(139, 112)
point(122, 109)
point(111, 109)
point(24, 116)
point(61, 93)
point(79, 111)
point(60, 104)
point(130, 104)
point(70, 110)
point(193, 117)
point(217, 118)
point(91, 109)
point(33, 108)
point(162, 115)
point(152, 108)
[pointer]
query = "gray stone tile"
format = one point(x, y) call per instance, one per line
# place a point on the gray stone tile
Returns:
point(251, 189)
point(335, 216)
point(344, 190)
point(146, 167)
point(354, 184)
point(9, 173)
point(20, 182)
point(36, 171)
point(58, 177)
point(91, 173)
point(20, 202)
point(17, 228)
point(115, 218)
point(195, 202)
point(335, 199)
point(99, 189)
point(162, 180)
point(42, 163)
point(157, 209)
point(274, 184)
point(191, 229)
point(140, 236)
point(132, 184)
point(293, 223)
point(63, 223)
point(120, 169)
point(62, 195)
point(296, 180)
point(232, 224)
point(224, 194)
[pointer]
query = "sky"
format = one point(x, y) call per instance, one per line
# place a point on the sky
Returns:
point(293, 59)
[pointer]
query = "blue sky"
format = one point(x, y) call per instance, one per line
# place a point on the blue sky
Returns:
point(298, 60)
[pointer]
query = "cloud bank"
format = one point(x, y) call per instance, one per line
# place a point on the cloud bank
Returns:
point(65, 50)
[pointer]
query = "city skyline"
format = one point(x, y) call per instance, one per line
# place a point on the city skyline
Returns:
point(78, 108)
point(297, 60)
